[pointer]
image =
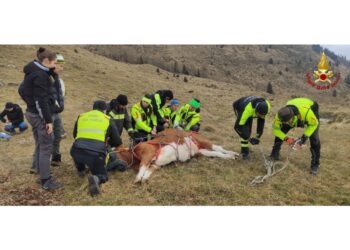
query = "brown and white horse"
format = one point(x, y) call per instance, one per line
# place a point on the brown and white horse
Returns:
point(169, 146)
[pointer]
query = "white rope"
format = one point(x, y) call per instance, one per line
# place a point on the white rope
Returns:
point(271, 166)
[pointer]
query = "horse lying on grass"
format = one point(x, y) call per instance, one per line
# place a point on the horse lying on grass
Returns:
point(169, 146)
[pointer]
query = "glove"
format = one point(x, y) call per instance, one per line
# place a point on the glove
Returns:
point(290, 140)
point(154, 131)
point(301, 140)
point(254, 141)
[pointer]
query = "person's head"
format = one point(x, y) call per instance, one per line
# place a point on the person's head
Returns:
point(146, 101)
point(168, 95)
point(9, 106)
point(100, 106)
point(285, 115)
point(46, 57)
point(121, 101)
point(59, 63)
point(174, 105)
point(194, 104)
point(262, 108)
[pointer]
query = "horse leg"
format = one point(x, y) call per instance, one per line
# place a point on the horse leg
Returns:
point(221, 149)
point(210, 153)
point(148, 172)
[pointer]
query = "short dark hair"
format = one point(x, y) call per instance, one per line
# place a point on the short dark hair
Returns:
point(43, 53)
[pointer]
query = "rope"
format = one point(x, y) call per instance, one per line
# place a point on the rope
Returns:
point(271, 165)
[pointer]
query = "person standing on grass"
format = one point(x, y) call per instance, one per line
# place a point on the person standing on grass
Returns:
point(37, 89)
point(247, 108)
point(58, 130)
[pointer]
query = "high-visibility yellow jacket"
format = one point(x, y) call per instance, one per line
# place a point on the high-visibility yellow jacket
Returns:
point(305, 117)
point(92, 125)
point(187, 118)
point(170, 115)
point(141, 120)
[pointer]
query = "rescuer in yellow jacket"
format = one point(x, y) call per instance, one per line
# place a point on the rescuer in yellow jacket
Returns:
point(159, 99)
point(93, 132)
point(188, 117)
point(143, 120)
point(169, 113)
point(247, 108)
point(299, 112)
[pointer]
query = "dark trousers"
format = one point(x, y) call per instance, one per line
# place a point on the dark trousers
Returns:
point(57, 131)
point(315, 143)
point(95, 161)
point(43, 145)
point(244, 131)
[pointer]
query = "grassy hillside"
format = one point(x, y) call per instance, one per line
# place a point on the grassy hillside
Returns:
point(201, 181)
point(250, 65)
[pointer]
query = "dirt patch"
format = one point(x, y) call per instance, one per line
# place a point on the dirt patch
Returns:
point(29, 196)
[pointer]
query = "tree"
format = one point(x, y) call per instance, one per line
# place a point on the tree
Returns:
point(334, 93)
point(141, 60)
point(184, 70)
point(347, 79)
point(269, 88)
point(176, 67)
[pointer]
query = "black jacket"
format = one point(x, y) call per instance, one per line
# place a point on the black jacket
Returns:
point(15, 116)
point(121, 119)
point(163, 95)
point(112, 138)
point(57, 94)
point(239, 106)
point(38, 90)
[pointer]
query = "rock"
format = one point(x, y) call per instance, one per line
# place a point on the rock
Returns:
point(2, 84)
point(326, 120)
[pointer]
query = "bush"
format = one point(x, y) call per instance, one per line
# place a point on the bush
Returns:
point(158, 71)
point(270, 61)
point(280, 72)
point(269, 89)
point(185, 79)
point(347, 79)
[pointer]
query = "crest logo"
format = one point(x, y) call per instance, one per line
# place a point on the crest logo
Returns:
point(323, 78)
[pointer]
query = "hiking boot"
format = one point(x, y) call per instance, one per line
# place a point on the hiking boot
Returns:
point(94, 185)
point(33, 171)
point(314, 171)
point(51, 184)
point(246, 157)
point(56, 161)
point(81, 174)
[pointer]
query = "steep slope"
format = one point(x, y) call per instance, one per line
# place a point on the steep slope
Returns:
point(202, 181)
point(251, 65)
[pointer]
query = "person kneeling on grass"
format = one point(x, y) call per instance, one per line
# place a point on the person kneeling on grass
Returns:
point(94, 131)
point(14, 115)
